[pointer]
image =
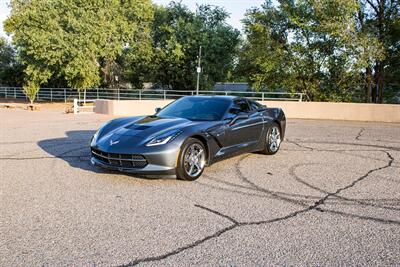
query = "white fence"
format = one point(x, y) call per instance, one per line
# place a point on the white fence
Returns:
point(83, 106)
point(68, 94)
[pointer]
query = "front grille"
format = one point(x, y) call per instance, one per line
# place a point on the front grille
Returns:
point(120, 160)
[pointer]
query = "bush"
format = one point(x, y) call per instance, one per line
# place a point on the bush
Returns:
point(30, 90)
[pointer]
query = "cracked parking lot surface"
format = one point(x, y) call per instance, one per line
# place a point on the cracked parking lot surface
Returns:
point(331, 196)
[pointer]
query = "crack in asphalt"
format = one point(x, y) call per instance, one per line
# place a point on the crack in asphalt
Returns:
point(54, 141)
point(52, 145)
point(180, 249)
point(326, 197)
point(236, 224)
point(341, 201)
point(299, 145)
point(233, 226)
point(48, 157)
point(218, 213)
point(350, 144)
point(58, 156)
point(297, 178)
point(293, 196)
point(316, 206)
point(360, 133)
point(351, 215)
point(359, 179)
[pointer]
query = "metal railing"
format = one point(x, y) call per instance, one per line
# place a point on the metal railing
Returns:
point(68, 94)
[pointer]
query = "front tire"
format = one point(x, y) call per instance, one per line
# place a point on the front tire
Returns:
point(272, 140)
point(191, 160)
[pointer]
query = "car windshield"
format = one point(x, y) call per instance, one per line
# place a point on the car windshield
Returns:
point(197, 108)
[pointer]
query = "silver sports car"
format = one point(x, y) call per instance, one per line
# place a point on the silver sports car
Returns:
point(187, 135)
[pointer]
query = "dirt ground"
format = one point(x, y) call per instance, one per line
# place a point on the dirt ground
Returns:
point(23, 104)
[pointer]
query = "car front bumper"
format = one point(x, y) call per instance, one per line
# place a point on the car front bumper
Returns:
point(161, 160)
point(149, 169)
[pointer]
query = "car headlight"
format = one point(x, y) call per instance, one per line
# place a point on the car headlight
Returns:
point(164, 138)
point(96, 134)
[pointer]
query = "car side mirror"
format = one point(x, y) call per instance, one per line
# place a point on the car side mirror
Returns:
point(157, 110)
point(238, 118)
point(264, 107)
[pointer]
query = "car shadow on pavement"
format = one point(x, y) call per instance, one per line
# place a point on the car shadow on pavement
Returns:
point(74, 148)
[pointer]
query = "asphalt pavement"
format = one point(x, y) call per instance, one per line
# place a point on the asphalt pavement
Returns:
point(329, 197)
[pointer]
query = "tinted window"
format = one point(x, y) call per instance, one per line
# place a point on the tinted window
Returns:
point(197, 108)
point(242, 105)
point(254, 105)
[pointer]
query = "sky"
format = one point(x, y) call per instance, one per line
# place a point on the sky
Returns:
point(236, 9)
point(4, 11)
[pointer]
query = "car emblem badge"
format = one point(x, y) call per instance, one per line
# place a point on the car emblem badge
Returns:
point(113, 142)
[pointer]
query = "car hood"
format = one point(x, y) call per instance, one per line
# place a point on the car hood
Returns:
point(151, 126)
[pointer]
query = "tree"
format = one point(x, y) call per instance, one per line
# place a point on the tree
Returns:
point(299, 46)
point(10, 68)
point(220, 43)
point(265, 57)
point(177, 33)
point(324, 36)
point(380, 19)
point(325, 49)
point(73, 38)
point(391, 87)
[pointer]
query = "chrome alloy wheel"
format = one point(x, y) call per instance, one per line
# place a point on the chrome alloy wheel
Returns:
point(274, 139)
point(194, 160)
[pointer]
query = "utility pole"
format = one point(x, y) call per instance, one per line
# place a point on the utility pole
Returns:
point(198, 72)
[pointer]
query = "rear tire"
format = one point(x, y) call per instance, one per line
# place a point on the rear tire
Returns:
point(191, 160)
point(272, 140)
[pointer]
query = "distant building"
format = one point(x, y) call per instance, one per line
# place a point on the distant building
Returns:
point(232, 87)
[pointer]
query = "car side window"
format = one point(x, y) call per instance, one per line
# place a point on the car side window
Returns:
point(242, 105)
point(254, 105)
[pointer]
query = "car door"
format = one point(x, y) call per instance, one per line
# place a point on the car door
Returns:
point(244, 132)
point(255, 123)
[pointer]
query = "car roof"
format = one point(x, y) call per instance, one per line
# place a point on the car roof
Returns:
point(225, 97)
